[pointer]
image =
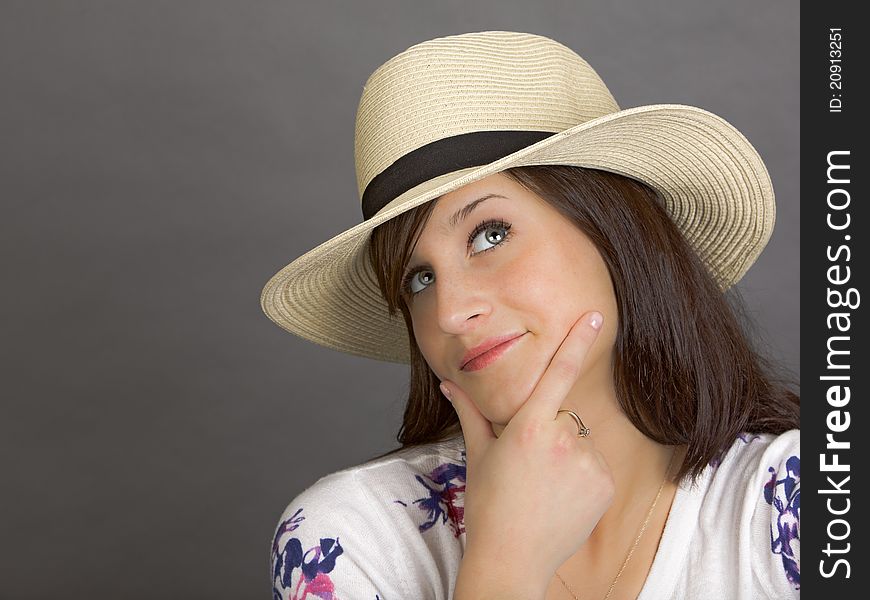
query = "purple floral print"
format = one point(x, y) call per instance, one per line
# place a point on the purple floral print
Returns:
point(445, 488)
point(315, 564)
point(785, 496)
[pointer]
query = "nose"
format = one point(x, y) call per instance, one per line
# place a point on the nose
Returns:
point(463, 301)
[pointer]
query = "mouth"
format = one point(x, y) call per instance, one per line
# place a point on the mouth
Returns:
point(492, 350)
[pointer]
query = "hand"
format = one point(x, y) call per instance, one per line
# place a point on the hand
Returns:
point(534, 494)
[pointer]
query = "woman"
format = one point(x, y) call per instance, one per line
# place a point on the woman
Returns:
point(586, 418)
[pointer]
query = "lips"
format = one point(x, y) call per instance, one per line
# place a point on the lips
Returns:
point(486, 346)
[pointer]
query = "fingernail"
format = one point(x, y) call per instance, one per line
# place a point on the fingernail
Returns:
point(595, 320)
point(445, 390)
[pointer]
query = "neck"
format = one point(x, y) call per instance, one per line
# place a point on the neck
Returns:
point(639, 466)
point(637, 463)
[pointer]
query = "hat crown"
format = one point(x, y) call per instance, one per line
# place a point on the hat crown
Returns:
point(488, 81)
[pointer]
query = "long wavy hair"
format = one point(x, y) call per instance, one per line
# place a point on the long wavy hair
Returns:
point(685, 371)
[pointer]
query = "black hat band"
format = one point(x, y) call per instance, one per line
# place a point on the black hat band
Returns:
point(443, 156)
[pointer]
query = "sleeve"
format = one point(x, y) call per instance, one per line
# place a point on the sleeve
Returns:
point(777, 518)
point(331, 543)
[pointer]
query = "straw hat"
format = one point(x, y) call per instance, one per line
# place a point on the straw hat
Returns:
point(456, 109)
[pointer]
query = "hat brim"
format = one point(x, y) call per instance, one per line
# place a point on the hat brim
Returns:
point(711, 179)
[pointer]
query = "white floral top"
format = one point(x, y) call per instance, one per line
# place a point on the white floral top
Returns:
point(392, 529)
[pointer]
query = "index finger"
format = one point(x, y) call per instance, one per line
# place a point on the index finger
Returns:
point(563, 370)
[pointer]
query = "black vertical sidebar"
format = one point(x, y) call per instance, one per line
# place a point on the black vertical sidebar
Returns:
point(835, 366)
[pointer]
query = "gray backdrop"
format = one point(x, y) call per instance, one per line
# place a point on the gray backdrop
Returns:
point(160, 161)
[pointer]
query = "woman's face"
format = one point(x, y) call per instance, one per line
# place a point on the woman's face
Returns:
point(526, 271)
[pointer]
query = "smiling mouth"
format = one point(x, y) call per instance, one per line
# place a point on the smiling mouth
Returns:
point(490, 356)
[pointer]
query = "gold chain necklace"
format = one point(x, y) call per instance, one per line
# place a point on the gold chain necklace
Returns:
point(636, 541)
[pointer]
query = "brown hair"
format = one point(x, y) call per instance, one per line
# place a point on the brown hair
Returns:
point(684, 369)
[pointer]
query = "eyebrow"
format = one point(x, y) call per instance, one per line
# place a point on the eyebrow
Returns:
point(460, 216)
point(466, 210)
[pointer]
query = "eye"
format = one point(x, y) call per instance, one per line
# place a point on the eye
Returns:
point(417, 281)
point(495, 232)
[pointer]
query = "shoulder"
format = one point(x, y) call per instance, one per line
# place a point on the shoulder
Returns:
point(752, 466)
point(757, 484)
point(368, 531)
point(755, 456)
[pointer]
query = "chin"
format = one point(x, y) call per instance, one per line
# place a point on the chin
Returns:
point(505, 389)
point(501, 408)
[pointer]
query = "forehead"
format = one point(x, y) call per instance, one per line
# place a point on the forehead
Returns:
point(541, 224)
point(450, 208)
point(496, 183)
point(496, 196)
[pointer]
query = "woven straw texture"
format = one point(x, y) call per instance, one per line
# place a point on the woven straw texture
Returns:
point(712, 181)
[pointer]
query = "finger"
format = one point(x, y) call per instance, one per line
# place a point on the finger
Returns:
point(476, 428)
point(563, 370)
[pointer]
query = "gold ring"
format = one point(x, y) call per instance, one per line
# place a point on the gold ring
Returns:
point(582, 430)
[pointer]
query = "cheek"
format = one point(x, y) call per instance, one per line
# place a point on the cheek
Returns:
point(554, 293)
point(551, 290)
